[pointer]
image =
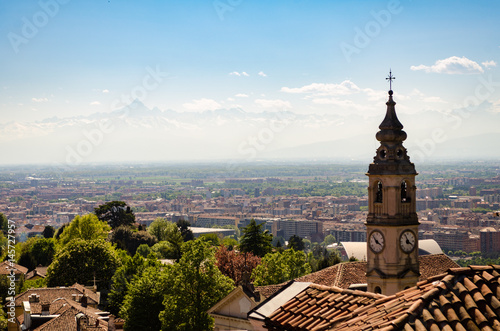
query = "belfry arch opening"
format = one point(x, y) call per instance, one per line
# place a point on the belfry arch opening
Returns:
point(405, 195)
point(378, 192)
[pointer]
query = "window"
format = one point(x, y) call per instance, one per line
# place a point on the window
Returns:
point(378, 195)
point(404, 192)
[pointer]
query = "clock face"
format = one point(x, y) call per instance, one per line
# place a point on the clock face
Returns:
point(377, 241)
point(407, 241)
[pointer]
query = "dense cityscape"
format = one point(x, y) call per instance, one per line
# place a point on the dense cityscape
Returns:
point(455, 203)
point(234, 165)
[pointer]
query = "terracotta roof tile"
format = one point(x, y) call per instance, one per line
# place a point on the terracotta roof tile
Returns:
point(316, 305)
point(6, 266)
point(66, 321)
point(345, 274)
point(469, 301)
point(52, 293)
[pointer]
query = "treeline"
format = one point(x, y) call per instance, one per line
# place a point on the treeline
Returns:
point(161, 277)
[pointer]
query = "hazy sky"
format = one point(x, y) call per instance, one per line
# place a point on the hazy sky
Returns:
point(68, 58)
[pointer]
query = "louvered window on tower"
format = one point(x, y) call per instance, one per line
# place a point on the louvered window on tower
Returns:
point(378, 196)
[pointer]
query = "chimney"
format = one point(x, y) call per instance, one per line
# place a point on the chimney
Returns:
point(45, 308)
point(83, 301)
point(34, 298)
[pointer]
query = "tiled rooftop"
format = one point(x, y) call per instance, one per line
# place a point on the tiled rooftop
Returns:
point(460, 299)
point(316, 306)
point(5, 268)
point(345, 274)
point(52, 293)
point(67, 321)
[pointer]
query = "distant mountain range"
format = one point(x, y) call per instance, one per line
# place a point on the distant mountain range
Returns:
point(137, 133)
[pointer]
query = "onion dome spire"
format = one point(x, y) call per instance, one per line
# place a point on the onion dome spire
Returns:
point(391, 151)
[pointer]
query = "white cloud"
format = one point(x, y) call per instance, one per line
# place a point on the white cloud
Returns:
point(488, 64)
point(262, 74)
point(276, 103)
point(337, 102)
point(95, 103)
point(236, 73)
point(452, 65)
point(230, 99)
point(241, 95)
point(105, 91)
point(202, 104)
point(345, 88)
point(39, 99)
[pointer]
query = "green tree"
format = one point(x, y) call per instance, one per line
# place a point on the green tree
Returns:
point(229, 242)
point(87, 227)
point(3, 320)
point(36, 283)
point(321, 258)
point(60, 230)
point(48, 231)
point(278, 241)
point(115, 213)
point(193, 285)
point(330, 239)
point(144, 301)
point(278, 267)
point(131, 267)
point(43, 251)
point(255, 240)
point(129, 240)
point(296, 243)
point(212, 238)
point(186, 233)
point(4, 224)
point(24, 253)
point(161, 228)
point(143, 250)
point(83, 261)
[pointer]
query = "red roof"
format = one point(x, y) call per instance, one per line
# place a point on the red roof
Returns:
point(460, 299)
point(345, 274)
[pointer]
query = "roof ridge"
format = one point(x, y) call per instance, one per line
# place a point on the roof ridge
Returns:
point(339, 274)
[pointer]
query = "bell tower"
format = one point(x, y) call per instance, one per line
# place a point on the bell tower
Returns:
point(392, 223)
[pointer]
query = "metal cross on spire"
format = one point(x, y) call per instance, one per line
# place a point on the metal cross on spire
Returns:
point(390, 78)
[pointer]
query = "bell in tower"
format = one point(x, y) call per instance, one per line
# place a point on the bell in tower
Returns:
point(392, 223)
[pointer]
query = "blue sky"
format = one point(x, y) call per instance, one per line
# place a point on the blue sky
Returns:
point(303, 56)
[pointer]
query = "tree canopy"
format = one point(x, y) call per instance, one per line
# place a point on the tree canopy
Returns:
point(115, 213)
point(330, 239)
point(82, 261)
point(186, 233)
point(144, 301)
point(297, 243)
point(255, 240)
point(129, 240)
point(279, 267)
point(48, 231)
point(132, 267)
point(161, 228)
point(4, 223)
point(87, 227)
point(36, 251)
point(233, 264)
point(193, 285)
